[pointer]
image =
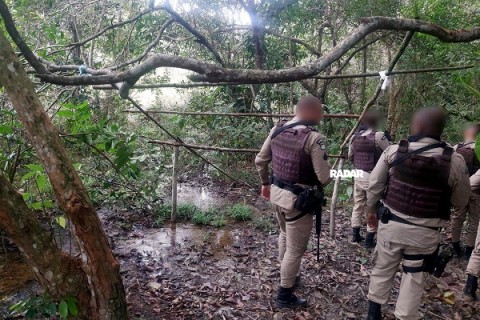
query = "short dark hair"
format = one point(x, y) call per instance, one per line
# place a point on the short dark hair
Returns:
point(307, 101)
point(432, 119)
point(371, 119)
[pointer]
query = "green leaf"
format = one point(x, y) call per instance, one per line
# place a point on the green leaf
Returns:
point(63, 309)
point(26, 196)
point(18, 306)
point(52, 308)
point(35, 167)
point(31, 314)
point(37, 205)
point(474, 91)
point(28, 175)
point(41, 182)
point(66, 113)
point(5, 129)
point(61, 221)
point(47, 204)
point(72, 307)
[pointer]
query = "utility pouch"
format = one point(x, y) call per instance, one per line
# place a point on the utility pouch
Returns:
point(309, 200)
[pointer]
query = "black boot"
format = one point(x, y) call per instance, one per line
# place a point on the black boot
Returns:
point(356, 237)
point(471, 287)
point(286, 299)
point(468, 252)
point(374, 311)
point(457, 249)
point(370, 240)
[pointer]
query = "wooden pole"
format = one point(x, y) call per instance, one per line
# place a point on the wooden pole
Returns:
point(333, 205)
point(372, 100)
point(390, 73)
point(176, 151)
point(243, 114)
point(212, 148)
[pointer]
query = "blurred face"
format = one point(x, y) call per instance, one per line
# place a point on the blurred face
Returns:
point(414, 127)
point(469, 134)
point(312, 112)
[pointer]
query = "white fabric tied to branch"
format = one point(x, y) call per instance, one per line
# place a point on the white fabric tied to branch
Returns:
point(385, 78)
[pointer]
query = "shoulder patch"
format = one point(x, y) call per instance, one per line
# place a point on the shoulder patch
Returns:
point(321, 143)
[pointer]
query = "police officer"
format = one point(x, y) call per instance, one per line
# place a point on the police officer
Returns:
point(419, 179)
point(473, 268)
point(467, 150)
point(365, 148)
point(299, 161)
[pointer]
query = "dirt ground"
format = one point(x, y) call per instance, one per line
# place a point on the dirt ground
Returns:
point(184, 271)
point(187, 272)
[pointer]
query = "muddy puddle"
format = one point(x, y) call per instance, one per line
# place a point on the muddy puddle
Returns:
point(158, 242)
point(201, 196)
point(17, 281)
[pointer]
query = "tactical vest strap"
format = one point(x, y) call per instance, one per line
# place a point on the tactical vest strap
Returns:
point(403, 146)
point(403, 150)
point(447, 154)
point(292, 125)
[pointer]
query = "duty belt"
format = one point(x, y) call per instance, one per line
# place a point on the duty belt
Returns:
point(289, 186)
point(396, 218)
point(286, 185)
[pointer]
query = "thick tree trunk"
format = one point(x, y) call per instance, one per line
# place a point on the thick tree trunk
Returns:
point(98, 262)
point(60, 274)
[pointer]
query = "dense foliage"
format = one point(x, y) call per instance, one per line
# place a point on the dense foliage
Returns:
point(110, 146)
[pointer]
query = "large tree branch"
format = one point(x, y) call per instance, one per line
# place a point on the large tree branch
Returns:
point(214, 73)
point(17, 38)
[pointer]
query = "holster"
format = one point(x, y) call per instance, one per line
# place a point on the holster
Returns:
point(309, 200)
point(383, 213)
point(430, 261)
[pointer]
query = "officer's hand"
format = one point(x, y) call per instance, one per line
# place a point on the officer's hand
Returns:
point(266, 192)
point(372, 220)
